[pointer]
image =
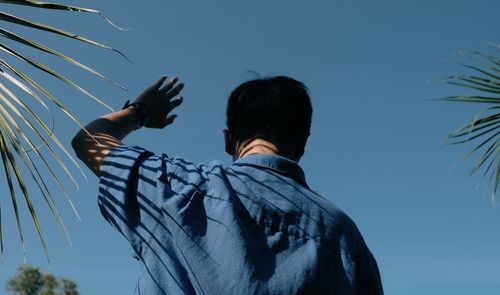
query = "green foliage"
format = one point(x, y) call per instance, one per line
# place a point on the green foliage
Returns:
point(49, 285)
point(484, 130)
point(69, 287)
point(30, 280)
point(26, 141)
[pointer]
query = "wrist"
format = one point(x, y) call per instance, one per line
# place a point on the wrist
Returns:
point(120, 123)
point(129, 118)
point(140, 110)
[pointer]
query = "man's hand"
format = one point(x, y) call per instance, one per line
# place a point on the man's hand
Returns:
point(107, 132)
point(159, 101)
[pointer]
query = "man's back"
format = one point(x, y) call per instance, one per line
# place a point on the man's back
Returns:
point(253, 227)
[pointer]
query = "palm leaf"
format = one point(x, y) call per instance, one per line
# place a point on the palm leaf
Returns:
point(10, 182)
point(41, 4)
point(57, 6)
point(36, 45)
point(39, 26)
point(53, 153)
point(50, 71)
point(485, 127)
point(17, 117)
point(41, 89)
point(20, 181)
point(12, 127)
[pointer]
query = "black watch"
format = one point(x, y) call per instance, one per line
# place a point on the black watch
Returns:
point(140, 109)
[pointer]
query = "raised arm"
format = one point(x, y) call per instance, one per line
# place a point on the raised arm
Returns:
point(152, 109)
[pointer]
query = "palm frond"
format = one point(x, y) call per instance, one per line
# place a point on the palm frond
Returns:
point(50, 71)
point(26, 141)
point(10, 183)
point(49, 5)
point(57, 6)
point(45, 142)
point(43, 27)
point(20, 179)
point(41, 89)
point(9, 35)
point(11, 125)
point(485, 127)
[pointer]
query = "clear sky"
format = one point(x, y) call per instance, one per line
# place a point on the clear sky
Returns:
point(373, 68)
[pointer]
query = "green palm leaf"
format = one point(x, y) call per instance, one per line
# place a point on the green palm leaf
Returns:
point(47, 5)
point(36, 45)
point(485, 127)
point(20, 21)
point(25, 139)
point(41, 4)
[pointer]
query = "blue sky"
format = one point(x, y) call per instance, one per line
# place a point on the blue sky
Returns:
point(373, 69)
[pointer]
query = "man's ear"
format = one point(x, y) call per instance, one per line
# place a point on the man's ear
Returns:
point(229, 143)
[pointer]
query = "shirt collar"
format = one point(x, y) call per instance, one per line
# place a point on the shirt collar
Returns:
point(276, 163)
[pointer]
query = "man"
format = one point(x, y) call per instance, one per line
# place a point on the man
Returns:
point(253, 227)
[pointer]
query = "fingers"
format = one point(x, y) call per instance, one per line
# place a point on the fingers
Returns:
point(159, 82)
point(163, 99)
point(176, 102)
point(169, 85)
point(172, 105)
point(169, 88)
point(176, 90)
point(169, 120)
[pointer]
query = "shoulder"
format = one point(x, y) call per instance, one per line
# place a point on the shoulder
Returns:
point(140, 161)
point(184, 167)
point(328, 221)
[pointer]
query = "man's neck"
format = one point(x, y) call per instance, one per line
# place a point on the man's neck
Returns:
point(256, 146)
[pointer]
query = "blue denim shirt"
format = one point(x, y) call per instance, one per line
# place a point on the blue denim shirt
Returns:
point(253, 227)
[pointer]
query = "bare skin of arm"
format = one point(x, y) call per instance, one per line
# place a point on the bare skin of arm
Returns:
point(108, 131)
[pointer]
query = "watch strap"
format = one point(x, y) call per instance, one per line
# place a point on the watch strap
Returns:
point(140, 109)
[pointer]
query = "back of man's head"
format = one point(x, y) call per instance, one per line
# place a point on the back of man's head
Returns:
point(276, 109)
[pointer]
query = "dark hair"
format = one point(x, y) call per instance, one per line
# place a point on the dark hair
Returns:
point(277, 109)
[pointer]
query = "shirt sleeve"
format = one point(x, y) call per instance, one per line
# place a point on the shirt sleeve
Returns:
point(127, 183)
point(368, 275)
point(359, 263)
